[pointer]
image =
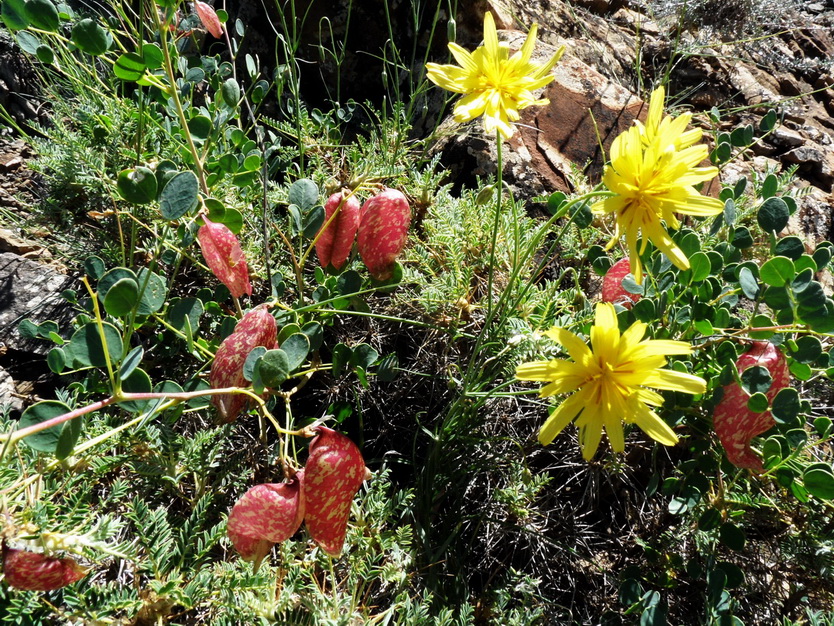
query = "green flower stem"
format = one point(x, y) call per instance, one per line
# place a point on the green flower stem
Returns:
point(175, 96)
point(495, 224)
point(115, 383)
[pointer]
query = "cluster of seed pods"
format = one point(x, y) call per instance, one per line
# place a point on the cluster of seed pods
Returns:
point(380, 228)
point(318, 495)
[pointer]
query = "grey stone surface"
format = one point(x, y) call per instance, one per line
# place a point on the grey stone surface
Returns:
point(30, 289)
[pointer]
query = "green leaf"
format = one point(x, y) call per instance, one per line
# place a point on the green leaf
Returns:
point(822, 425)
point(45, 54)
point(304, 194)
point(732, 536)
point(137, 186)
point(56, 360)
point(315, 334)
point(42, 14)
point(341, 358)
point(777, 271)
point(191, 308)
point(230, 92)
point(122, 297)
point(769, 186)
point(137, 382)
point(757, 403)
point(768, 122)
point(45, 440)
point(68, 438)
point(274, 368)
point(773, 215)
point(153, 296)
point(349, 283)
point(363, 356)
point(233, 220)
point(13, 14)
point(85, 348)
point(700, 266)
point(791, 247)
point(296, 347)
point(313, 221)
point(90, 37)
point(786, 406)
point(819, 481)
point(180, 196)
point(748, 283)
point(388, 368)
point(808, 349)
point(130, 67)
point(152, 56)
point(199, 127)
point(756, 379)
point(251, 361)
point(94, 267)
point(28, 329)
point(742, 238)
point(131, 362)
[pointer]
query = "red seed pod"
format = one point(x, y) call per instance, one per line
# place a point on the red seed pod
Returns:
point(209, 19)
point(265, 515)
point(383, 230)
point(222, 253)
point(334, 472)
point(612, 285)
point(735, 424)
point(335, 242)
point(33, 571)
point(256, 328)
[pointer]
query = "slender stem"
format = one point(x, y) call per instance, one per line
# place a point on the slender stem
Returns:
point(495, 224)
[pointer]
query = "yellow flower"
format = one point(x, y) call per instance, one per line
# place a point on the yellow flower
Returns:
point(652, 172)
point(495, 85)
point(611, 381)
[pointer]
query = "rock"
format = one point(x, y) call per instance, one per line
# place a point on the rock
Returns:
point(10, 242)
point(600, 7)
point(9, 398)
point(30, 290)
point(812, 220)
point(815, 162)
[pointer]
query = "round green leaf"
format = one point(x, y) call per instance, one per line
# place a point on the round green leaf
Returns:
point(710, 519)
point(251, 361)
point(296, 347)
point(192, 308)
point(274, 368)
point(770, 186)
point(152, 56)
point(130, 67)
point(42, 14)
point(90, 37)
point(748, 283)
point(45, 54)
point(111, 278)
point(773, 215)
point(200, 127)
point(45, 440)
point(153, 296)
point(137, 382)
point(121, 297)
point(756, 379)
point(56, 360)
point(28, 42)
point(808, 349)
point(791, 247)
point(179, 196)
point(85, 348)
point(138, 186)
point(700, 266)
point(733, 573)
point(757, 403)
point(732, 536)
point(230, 92)
point(819, 482)
point(786, 406)
point(778, 271)
point(363, 356)
point(13, 14)
point(304, 193)
point(742, 238)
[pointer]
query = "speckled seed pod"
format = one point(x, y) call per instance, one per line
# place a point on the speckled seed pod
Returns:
point(734, 423)
point(266, 514)
point(33, 571)
point(333, 474)
point(335, 242)
point(612, 285)
point(209, 19)
point(256, 328)
point(222, 253)
point(383, 230)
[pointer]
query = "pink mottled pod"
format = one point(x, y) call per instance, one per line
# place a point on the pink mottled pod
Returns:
point(209, 19)
point(266, 514)
point(256, 328)
point(33, 571)
point(333, 474)
point(612, 285)
point(383, 230)
point(222, 252)
point(336, 240)
point(735, 424)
